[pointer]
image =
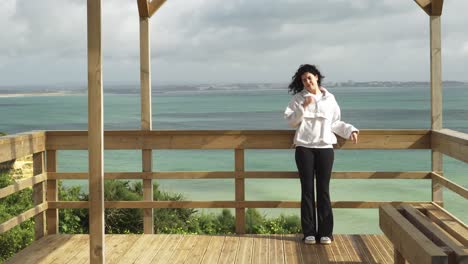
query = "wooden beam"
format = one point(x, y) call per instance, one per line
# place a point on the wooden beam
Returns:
point(143, 9)
point(407, 239)
point(95, 139)
point(239, 189)
point(52, 193)
point(431, 7)
point(425, 5)
point(436, 99)
point(436, 7)
point(39, 193)
point(146, 119)
point(154, 6)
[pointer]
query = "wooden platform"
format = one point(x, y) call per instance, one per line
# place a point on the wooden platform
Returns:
point(209, 249)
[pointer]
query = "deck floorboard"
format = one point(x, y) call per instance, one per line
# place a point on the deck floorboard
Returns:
point(209, 249)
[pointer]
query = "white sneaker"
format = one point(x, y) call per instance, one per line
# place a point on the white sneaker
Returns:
point(309, 240)
point(325, 240)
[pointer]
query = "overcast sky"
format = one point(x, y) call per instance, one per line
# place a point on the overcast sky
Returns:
point(228, 41)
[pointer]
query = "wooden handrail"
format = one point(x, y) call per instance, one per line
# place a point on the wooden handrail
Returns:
point(460, 190)
point(231, 139)
point(9, 224)
point(244, 175)
point(22, 144)
point(451, 143)
point(225, 204)
point(22, 184)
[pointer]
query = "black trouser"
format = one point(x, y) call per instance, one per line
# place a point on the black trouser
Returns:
point(315, 162)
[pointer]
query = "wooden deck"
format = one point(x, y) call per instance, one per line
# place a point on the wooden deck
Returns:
point(209, 249)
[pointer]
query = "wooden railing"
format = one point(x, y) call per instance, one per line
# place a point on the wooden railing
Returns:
point(39, 144)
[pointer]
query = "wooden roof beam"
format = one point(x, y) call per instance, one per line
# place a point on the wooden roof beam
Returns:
point(431, 7)
point(143, 8)
point(154, 6)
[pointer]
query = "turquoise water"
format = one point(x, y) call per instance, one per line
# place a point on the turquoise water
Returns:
point(364, 107)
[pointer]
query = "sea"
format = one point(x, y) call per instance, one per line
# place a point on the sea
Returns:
point(255, 106)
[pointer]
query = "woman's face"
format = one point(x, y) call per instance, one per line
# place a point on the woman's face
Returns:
point(309, 81)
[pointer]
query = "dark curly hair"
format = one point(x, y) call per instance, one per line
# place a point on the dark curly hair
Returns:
point(296, 85)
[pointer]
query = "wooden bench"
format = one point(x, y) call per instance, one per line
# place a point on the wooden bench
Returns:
point(424, 234)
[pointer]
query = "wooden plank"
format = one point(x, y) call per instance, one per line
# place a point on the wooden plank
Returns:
point(363, 250)
point(451, 143)
point(227, 139)
point(435, 234)
point(351, 254)
point(39, 193)
point(39, 249)
point(199, 250)
point(229, 251)
point(448, 222)
point(165, 252)
point(154, 6)
point(22, 144)
point(214, 250)
point(407, 239)
point(95, 142)
point(260, 252)
point(22, 184)
point(292, 249)
point(12, 222)
point(143, 8)
point(52, 193)
point(183, 251)
point(239, 190)
point(136, 249)
point(276, 249)
point(245, 251)
point(458, 189)
point(66, 250)
point(119, 247)
point(152, 248)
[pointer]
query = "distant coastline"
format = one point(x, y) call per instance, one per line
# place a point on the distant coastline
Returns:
point(61, 90)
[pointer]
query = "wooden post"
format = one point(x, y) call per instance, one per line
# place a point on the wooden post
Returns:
point(95, 134)
point(52, 194)
point(240, 190)
point(436, 100)
point(39, 195)
point(146, 119)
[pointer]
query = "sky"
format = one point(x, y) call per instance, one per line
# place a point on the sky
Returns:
point(231, 41)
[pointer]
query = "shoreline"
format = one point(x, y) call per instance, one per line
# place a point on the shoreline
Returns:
point(11, 95)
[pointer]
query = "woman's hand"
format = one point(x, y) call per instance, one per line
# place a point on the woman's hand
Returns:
point(308, 100)
point(354, 137)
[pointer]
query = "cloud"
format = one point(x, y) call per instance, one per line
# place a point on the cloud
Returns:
point(231, 41)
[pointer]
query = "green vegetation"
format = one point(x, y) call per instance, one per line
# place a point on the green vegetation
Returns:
point(128, 221)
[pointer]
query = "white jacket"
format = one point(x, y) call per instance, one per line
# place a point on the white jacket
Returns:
point(316, 124)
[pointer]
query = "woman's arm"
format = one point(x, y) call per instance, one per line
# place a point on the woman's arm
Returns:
point(341, 128)
point(294, 113)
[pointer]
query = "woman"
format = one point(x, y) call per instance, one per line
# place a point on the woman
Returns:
point(315, 114)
